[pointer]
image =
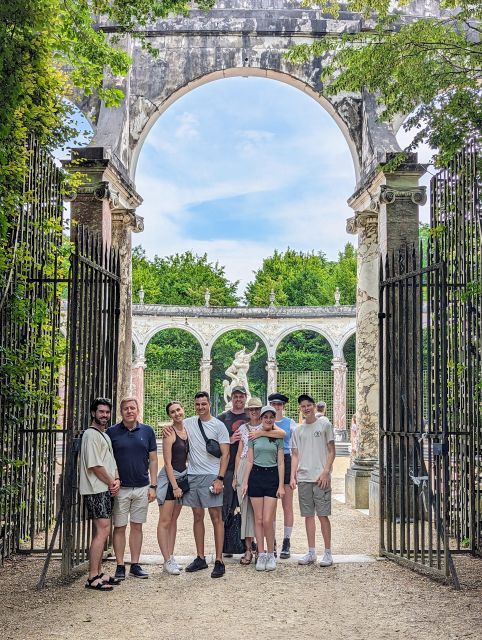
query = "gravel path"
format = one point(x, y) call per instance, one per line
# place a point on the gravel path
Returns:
point(376, 600)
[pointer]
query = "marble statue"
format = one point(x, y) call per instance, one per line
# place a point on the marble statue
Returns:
point(237, 372)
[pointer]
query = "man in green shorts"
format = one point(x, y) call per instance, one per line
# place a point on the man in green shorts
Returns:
point(312, 456)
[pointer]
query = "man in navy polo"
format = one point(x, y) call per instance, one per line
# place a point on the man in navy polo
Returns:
point(135, 452)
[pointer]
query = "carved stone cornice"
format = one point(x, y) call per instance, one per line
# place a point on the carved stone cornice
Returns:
point(416, 195)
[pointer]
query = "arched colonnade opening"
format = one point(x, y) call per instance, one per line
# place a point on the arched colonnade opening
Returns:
point(176, 363)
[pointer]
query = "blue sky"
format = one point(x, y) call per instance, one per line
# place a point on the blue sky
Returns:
point(239, 167)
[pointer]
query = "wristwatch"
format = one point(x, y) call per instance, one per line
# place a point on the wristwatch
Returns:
point(220, 478)
point(153, 486)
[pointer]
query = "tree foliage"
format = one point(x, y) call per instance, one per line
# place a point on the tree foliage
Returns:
point(428, 69)
point(181, 279)
point(304, 279)
point(173, 349)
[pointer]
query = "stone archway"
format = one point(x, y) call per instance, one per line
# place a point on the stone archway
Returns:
point(244, 38)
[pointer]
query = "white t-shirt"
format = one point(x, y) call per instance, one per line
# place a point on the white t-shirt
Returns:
point(311, 441)
point(96, 451)
point(199, 461)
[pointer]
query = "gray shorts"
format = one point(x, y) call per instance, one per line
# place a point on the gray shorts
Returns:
point(312, 498)
point(199, 495)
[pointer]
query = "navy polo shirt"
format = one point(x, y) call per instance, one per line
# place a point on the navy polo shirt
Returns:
point(131, 452)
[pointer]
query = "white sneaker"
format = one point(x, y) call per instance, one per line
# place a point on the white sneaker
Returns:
point(308, 558)
point(170, 567)
point(327, 559)
point(261, 562)
point(270, 562)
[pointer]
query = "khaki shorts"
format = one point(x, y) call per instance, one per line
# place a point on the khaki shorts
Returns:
point(312, 498)
point(130, 503)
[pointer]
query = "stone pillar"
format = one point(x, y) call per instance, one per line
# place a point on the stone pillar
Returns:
point(356, 481)
point(272, 369)
point(386, 217)
point(138, 382)
point(339, 398)
point(105, 202)
point(205, 369)
point(124, 222)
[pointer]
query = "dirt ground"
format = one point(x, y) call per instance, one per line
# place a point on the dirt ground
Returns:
point(364, 600)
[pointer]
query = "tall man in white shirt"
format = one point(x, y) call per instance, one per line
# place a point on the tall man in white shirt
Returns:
point(206, 480)
point(313, 454)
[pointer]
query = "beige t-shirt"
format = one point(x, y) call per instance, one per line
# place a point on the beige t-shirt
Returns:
point(311, 440)
point(96, 451)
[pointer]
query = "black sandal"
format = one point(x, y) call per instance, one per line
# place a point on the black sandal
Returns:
point(115, 581)
point(100, 586)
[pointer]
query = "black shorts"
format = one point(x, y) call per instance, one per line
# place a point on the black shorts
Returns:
point(287, 468)
point(99, 505)
point(263, 482)
point(170, 493)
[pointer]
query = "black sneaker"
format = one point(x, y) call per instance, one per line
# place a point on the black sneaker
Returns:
point(197, 564)
point(120, 572)
point(285, 551)
point(219, 569)
point(137, 571)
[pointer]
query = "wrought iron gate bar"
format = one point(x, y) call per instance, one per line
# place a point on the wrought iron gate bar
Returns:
point(96, 267)
point(91, 370)
point(27, 429)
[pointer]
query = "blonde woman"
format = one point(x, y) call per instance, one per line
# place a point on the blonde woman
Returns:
point(175, 447)
point(263, 482)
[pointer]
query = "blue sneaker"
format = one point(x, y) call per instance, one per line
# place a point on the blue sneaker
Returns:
point(137, 571)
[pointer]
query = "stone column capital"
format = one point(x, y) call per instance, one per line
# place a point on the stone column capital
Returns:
point(361, 221)
point(129, 218)
point(415, 195)
point(338, 363)
point(139, 362)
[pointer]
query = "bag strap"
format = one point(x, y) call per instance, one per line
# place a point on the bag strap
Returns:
point(99, 431)
point(234, 502)
point(202, 429)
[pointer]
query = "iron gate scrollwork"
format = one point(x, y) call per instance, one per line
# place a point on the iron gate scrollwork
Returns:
point(430, 449)
point(93, 330)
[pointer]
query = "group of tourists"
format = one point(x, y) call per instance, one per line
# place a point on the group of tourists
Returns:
point(251, 455)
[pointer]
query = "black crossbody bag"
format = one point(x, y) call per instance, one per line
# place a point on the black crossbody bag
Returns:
point(212, 446)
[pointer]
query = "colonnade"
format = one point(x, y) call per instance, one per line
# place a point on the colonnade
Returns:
point(339, 369)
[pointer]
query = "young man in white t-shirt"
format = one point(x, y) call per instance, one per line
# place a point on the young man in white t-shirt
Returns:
point(206, 480)
point(312, 457)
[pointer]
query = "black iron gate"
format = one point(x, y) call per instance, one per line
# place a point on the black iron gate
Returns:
point(93, 321)
point(30, 354)
point(430, 378)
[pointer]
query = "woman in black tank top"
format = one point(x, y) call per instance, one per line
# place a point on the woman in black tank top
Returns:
point(175, 448)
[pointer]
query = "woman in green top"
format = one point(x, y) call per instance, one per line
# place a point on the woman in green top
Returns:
point(263, 483)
